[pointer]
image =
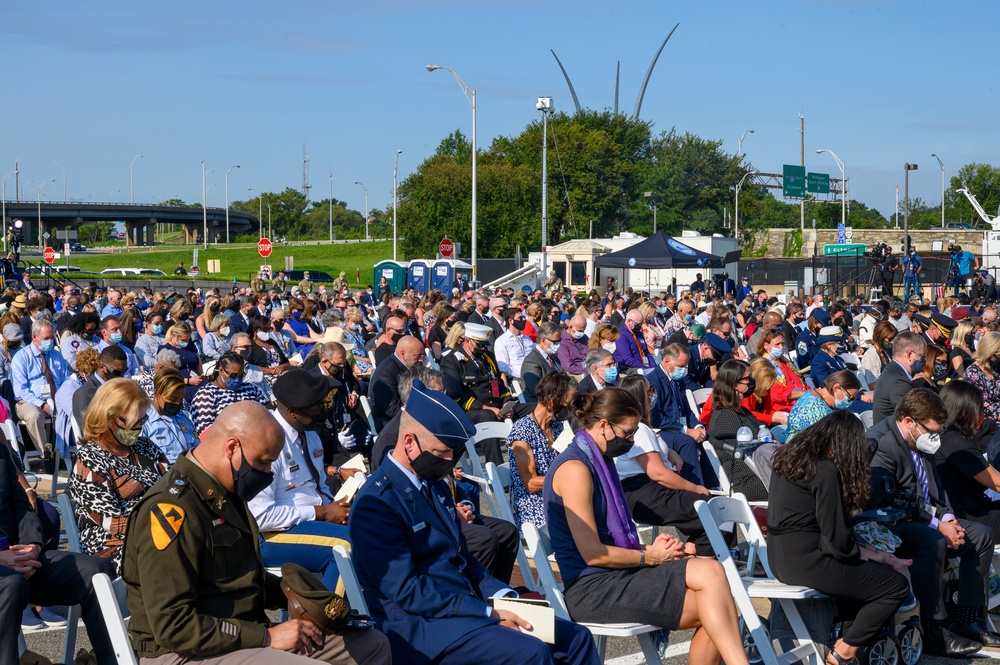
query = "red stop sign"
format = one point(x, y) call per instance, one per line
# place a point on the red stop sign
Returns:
point(447, 248)
point(264, 247)
point(49, 255)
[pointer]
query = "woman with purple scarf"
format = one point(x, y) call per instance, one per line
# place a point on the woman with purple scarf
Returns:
point(609, 575)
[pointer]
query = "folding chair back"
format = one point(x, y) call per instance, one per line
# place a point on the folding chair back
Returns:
point(67, 511)
point(367, 408)
point(484, 431)
point(430, 362)
point(499, 485)
point(725, 487)
point(111, 598)
point(349, 576)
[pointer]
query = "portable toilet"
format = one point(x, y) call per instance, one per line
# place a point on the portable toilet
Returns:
point(394, 273)
point(419, 276)
point(444, 273)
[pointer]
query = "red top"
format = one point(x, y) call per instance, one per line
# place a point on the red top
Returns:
point(761, 410)
point(787, 381)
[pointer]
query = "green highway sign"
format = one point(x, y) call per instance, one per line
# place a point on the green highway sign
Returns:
point(818, 183)
point(793, 181)
point(848, 249)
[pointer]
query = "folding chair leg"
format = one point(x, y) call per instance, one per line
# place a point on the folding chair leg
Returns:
point(801, 633)
point(602, 645)
point(522, 563)
point(72, 622)
point(648, 643)
point(55, 474)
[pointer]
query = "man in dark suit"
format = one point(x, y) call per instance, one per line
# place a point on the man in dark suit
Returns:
point(240, 321)
point(383, 390)
point(461, 283)
point(541, 359)
point(496, 322)
point(704, 360)
point(481, 314)
point(114, 364)
point(908, 352)
point(904, 445)
point(424, 590)
point(29, 574)
point(602, 371)
point(672, 414)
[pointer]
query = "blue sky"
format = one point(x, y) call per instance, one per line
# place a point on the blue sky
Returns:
point(91, 85)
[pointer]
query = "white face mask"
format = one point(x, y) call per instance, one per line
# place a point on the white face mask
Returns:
point(263, 336)
point(224, 332)
point(928, 443)
point(610, 347)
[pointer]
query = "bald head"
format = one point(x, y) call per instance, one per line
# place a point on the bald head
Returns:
point(772, 319)
point(634, 317)
point(410, 350)
point(394, 326)
point(243, 433)
point(578, 322)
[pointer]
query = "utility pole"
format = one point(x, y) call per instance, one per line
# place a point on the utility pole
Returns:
point(305, 173)
point(802, 162)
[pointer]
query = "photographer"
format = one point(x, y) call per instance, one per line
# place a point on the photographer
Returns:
point(912, 265)
point(904, 445)
point(984, 286)
point(877, 256)
point(890, 266)
point(962, 263)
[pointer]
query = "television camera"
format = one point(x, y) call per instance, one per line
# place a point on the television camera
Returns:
point(878, 253)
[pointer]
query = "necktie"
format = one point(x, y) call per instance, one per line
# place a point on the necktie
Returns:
point(320, 486)
point(48, 376)
point(549, 359)
point(921, 475)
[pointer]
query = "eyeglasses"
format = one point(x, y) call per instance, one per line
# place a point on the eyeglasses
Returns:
point(927, 429)
point(113, 373)
point(628, 436)
point(480, 344)
point(397, 330)
point(241, 348)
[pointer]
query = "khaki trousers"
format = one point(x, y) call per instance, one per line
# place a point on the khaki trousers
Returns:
point(34, 421)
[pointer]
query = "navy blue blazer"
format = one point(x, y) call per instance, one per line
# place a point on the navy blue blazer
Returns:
point(699, 374)
point(415, 567)
point(670, 410)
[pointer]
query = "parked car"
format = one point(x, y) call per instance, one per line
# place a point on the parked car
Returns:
point(295, 276)
point(45, 270)
point(134, 272)
point(77, 247)
point(959, 226)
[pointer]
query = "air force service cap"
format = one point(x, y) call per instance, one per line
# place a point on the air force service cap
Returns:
point(440, 414)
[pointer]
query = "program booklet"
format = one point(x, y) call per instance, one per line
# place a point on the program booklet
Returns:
point(536, 612)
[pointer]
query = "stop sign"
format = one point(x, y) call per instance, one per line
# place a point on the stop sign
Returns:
point(264, 247)
point(447, 248)
point(49, 255)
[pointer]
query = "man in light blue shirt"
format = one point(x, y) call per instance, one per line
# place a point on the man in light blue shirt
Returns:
point(36, 372)
point(111, 333)
point(112, 308)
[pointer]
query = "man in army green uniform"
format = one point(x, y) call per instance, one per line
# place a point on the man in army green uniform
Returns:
point(197, 588)
point(553, 283)
point(340, 284)
point(306, 284)
point(279, 282)
point(256, 284)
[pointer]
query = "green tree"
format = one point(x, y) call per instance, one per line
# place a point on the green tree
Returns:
point(95, 233)
point(983, 181)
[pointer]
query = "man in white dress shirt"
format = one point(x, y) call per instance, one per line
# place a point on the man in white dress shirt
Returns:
point(512, 347)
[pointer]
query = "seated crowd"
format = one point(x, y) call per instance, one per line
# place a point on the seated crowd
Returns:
point(213, 438)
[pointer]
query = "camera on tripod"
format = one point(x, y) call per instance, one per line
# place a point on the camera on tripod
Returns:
point(952, 249)
point(878, 253)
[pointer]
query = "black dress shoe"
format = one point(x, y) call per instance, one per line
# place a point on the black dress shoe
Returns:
point(952, 645)
point(979, 633)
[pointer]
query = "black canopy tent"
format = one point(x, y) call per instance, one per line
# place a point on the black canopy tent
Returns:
point(659, 252)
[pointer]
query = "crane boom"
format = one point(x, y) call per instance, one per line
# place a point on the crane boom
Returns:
point(994, 222)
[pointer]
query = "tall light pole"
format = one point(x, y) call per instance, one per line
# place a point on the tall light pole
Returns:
point(736, 206)
point(38, 197)
point(260, 210)
point(652, 196)
point(204, 205)
point(331, 207)
point(843, 185)
point(3, 203)
point(234, 166)
point(739, 150)
point(113, 191)
point(470, 95)
point(367, 211)
point(49, 161)
point(544, 104)
point(131, 179)
point(269, 220)
point(394, 171)
point(941, 164)
point(907, 167)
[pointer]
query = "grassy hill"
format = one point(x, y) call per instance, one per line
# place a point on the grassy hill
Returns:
point(241, 261)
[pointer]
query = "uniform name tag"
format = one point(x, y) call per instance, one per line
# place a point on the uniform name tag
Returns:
point(418, 527)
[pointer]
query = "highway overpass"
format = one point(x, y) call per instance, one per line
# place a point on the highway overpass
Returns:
point(139, 220)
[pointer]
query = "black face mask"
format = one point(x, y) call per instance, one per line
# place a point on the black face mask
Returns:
point(170, 409)
point(751, 386)
point(519, 325)
point(395, 336)
point(248, 482)
point(311, 421)
point(429, 466)
point(563, 413)
point(618, 446)
point(478, 351)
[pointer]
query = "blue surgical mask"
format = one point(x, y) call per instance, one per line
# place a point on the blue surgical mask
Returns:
point(611, 374)
point(234, 382)
point(116, 338)
point(158, 329)
point(842, 404)
point(296, 314)
point(689, 318)
point(47, 345)
point(777, 353)
point(661, 310)
point(678, 373)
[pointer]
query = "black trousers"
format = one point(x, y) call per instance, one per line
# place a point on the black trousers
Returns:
point(494, 543)
point(990, 518)
point(928, 549)
point(63, 579)
point(654, 504)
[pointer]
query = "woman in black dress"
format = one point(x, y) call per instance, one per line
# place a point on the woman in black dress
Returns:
point(935, 369)
point(819, 479)
point(965, 473)
point(732, 384)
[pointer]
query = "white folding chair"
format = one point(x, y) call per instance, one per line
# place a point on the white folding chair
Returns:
point(539, 551)
point(517, 390)
point(433, 364)
point(68, 514)
point(712, 455)
point(745, 586)
point(499, 485)
point(367, 408)
point(111, 598)
point(371, 358)
point(484, 431)
point(349, 576)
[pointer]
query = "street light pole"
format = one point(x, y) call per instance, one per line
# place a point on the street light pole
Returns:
point(544, 104)
point(131, 180)
point(49, 161)
point(331, 208)
point(204, 207)
point(394, 170)
point(653, 197)
point(736, 206)
point(470, 95)
point(739, 151)
point(843, 185)
point(941, 164)
point(3, 212)
point(367, 211)
point(907, 167)
point(234, 166)
point(113, 191)
point(269, 220)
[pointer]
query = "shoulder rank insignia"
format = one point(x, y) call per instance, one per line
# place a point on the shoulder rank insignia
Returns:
point(165, 523)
